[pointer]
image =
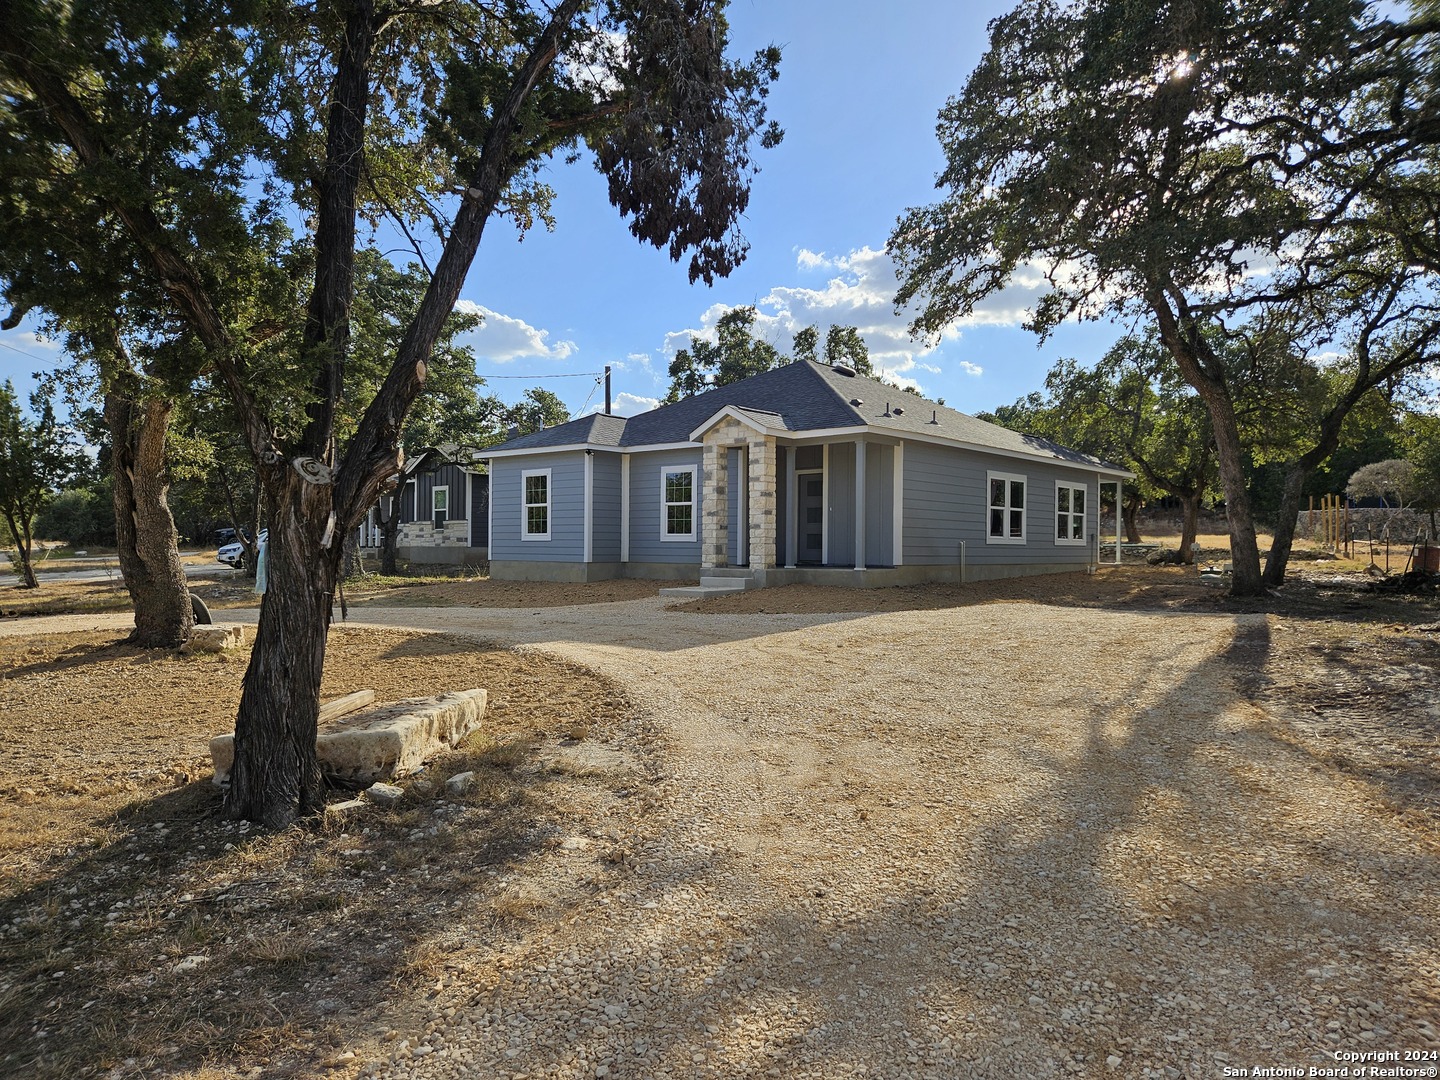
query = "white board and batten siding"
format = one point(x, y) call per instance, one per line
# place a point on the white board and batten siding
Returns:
point(947, 501)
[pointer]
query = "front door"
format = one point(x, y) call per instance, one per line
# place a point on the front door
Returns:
point(810, 521)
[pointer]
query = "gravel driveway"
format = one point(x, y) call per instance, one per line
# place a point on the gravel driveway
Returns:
point(1004, 841)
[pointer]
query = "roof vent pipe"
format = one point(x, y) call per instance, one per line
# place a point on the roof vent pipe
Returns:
point(887, 409)
point(934, 416)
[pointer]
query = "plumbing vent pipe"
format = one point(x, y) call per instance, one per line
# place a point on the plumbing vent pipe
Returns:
point(934, 416)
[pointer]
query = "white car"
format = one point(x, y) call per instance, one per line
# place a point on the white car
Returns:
point(234, 554)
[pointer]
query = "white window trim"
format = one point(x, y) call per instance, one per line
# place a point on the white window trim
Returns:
point(1084, 514)
point(1024, 516)
point(435, 491)
point(525, 474)
point(680, 538)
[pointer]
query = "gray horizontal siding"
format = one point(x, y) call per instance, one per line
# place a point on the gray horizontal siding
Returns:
point(605, 535)
point(567, 509)
point(946, 501)
point(645, 542)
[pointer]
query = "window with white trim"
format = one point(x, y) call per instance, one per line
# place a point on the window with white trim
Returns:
point(678, 489)
point(535, 504)
point(440, 505)
point(1069, 513)
point(1006, 508)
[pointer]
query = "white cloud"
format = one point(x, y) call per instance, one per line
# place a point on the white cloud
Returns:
point(806, 259)
point(630, 404)
point(970, 369)
point(501, 338)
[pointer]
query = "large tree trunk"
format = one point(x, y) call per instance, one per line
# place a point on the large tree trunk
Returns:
point(1190, 527)
point(144, 528)
point(20, 530)
point(389, 535)
point(275, 777)
point(1131, 516)
point(1289, 515)
point(1202, 370)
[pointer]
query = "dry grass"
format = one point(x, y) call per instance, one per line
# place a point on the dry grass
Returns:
point(305, 938)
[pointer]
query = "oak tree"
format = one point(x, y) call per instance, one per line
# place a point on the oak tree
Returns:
point(440, 112)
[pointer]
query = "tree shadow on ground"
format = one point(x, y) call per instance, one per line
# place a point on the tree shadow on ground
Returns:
point(183, 941)
point(1164, 899)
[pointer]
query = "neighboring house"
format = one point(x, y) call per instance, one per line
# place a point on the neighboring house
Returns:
point(444, 505)
point(804, 473)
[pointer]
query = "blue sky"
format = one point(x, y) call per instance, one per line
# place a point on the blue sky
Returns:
point(859, 90)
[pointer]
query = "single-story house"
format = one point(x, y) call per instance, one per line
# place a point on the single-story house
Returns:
point(443, 497)
point(808, 472)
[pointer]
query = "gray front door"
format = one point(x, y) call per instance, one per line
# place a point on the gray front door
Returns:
point(810, 525)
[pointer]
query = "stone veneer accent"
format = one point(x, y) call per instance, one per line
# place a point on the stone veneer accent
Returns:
point(423, 534)
point(715, 480)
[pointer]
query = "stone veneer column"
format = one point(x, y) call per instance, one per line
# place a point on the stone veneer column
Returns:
point(763, 522)
point(714, 515)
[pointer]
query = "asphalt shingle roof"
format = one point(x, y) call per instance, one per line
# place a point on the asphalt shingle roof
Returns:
point(803, 396)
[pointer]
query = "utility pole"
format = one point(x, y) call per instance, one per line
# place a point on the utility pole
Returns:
point(607, 389)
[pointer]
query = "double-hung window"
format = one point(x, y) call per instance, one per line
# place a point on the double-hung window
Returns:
point(1069, 513)
point(440, 505)
point(677, 502)
point(535, 504)
point(1006, 511)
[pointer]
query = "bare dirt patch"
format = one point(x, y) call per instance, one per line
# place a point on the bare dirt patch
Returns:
point(140, 935)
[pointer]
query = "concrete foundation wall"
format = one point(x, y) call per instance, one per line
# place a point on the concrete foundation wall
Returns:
point(442, 556)
point(887, 577)
point(513, 570)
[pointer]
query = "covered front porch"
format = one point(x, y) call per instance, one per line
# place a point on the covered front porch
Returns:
point(776, 503)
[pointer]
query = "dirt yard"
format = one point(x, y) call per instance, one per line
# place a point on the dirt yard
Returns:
point(1109, 826)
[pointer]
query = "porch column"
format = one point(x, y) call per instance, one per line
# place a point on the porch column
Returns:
point(1119, 513)
point(792, 503)
point(859, 504)
point(761, 454)
point(714, 517)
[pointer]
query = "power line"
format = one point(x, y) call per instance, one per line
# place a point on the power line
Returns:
point(22, 352)
point(534, 378)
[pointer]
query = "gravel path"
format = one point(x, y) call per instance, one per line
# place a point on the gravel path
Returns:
point(1005, 840)
point(998, 841)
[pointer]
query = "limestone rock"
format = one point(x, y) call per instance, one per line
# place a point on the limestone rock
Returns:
point(460, 783)
point(215, 638)
point(381, 744)
point(383, 794)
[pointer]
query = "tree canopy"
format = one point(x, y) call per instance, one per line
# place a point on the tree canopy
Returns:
point(37, 458)
point(736, 353)
point(1203, 167)
point(234, 154)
